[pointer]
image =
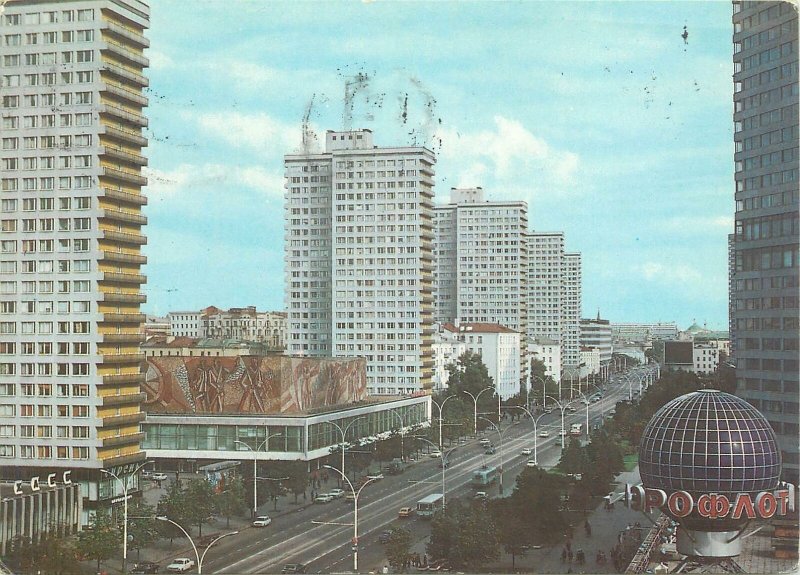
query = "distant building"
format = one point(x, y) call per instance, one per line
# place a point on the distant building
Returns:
point(204, 347)
point(705, 358)
point(548, 351)
point(447, 348)
point(642, 332)
point(237, 323)
point(156, 326)
point(691, 356)
point(589, 361)
point(571, 317)
point(597, 333)
point(546, 287)
point(498, 347)
point(186, 323)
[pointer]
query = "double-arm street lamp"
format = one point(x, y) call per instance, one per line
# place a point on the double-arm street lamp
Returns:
point(344, 434)
point(502, 462)
point(445, 459)
point(196, 552)
point(441, 415)
point(124, 484)
point(255, 467)
point(356, 494)
point(475, 399)
point(535, 421)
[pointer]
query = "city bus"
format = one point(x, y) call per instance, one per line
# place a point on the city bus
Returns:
point(484, 476)
point(576, 430)
point(429, 505)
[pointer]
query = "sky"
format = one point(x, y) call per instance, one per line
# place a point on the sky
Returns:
point(600, 115)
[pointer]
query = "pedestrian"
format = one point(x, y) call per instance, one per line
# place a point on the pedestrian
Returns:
point(569, 545)
point(569, 556)
point(564, 555)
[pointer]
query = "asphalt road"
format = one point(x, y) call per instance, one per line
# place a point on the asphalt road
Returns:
point(320, 535)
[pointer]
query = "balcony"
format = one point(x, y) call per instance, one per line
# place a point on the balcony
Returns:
point(120, 420)
point(123, 114)
point(120, 257)
point(124, 52)
point(123, 297)
point(123, 278)
point(125, 197)
point(122, 358)
point(135, 337)
point(124, 176)
point(125, 93)
point(122, 216)
point(123, 378)
point(123, 156)
point(124, 237)
point(126, 136)
point(127, 399)
point(124, 317)
point(127, 34)
point(126, 439)
point(124, 74)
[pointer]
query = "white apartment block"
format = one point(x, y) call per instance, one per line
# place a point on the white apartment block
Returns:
point(499, 348)
point(482, 262)
point(597, 333)
point(447, 348)
point(70, 240)
point(644, 331)
point(547, 351)
point(186, 323)
point(589, 361)
point(705, 358)
point(570, 341)
point(359, 258)
point(545, 286)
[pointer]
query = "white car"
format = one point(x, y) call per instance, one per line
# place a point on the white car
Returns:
point(530, 463)
point(323, 498)
point(158, 476)
point(435, 454)
point(336, 493)
point(376, 477)
point(262, 521)
point(544, 433)
point(526, 451)
point(562, 433)
point(180, 565)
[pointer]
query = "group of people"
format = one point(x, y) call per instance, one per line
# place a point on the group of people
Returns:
point(567, 555)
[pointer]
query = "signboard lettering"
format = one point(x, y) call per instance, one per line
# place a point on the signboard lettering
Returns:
point(35, 485)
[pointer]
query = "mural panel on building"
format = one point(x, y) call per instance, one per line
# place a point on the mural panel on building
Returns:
point(251, 384)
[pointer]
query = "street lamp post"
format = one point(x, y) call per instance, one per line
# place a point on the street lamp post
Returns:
point(124, 484)
point(402, 432)
point(255, 468)
point(502, 462)
point(344, 433)
point(562, 408)
point(441, 416)
point(586, 402)
point(544, 387)
point(196, 552)
point(445, 458)
point(475, 399)
point(535, 421)
point(356, 495)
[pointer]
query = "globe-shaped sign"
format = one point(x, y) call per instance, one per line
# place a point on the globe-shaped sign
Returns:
point(706, 442)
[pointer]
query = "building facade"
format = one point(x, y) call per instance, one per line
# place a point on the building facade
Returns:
point(643, 332)
point(597, 333)
point(571, 330)
point(71, 237)
point(359, 258)
point(186, 323)
point(481, 254)
point(236, 323)
point(447, 348)
point(765, 250)
point(547, 351)
point(546, 286)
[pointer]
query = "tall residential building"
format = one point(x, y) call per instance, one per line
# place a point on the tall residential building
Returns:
point(545, 286)
point(359, 258)
point(765, 278)
point(70, 289)
point(596, 333)
point(571, 330)
point(482, 262)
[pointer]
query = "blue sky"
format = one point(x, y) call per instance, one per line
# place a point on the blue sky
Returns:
point(598, 114)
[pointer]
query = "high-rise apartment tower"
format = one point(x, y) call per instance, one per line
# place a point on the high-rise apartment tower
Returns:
point(70, 279)
point(359, 258)
point(765, 245)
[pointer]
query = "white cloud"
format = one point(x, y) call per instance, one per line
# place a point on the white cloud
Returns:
point(508, 152)
point(257, 131)
point(160, 60)
point(664, 274)
point(712, 225)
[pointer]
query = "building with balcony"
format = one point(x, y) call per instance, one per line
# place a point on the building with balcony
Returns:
point(70, 240)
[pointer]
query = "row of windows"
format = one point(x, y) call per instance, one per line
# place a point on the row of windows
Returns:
point(373, 163)
point(764, 323)
point(45, 327)
point(767, 180)
point(766, 78)
point(766, 259)
point(757, 284)
point(44, 390)
point(763, 99)
point(44, 246)
point(780, 225)
point(30, 410)
point(47, 79)
point(785, 114)
point(766, 160)
point(32, 163)
point(45, 225)
point(49, 17)
point(45, 452)
point(8, 287)
point(46, 204)
point(49, 142)
point(47, 38)
point(783, 29)
point(47, 58)
point(785, 49)
point(787, 365)
point(769, 343)
point(762, 17)
point(769, 139)
point(44, 266)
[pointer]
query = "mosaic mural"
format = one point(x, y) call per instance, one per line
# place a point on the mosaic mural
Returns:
point(251, 384)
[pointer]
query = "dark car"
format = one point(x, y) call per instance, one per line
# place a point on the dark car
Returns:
point(146, 567)
point(385, 536)
point(293, 568)
point(490, 450)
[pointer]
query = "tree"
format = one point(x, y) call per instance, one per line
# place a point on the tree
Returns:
point(537, 497)
point(143, 529)
point(52, 554)
point(297, 472)
point(199, 497)
point(231, 501)
point(398, 547)
point(512, 531)
point(173, 505)
point(101, 539)
point(464, 537)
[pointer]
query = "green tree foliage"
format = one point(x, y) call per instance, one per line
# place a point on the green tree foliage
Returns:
point(297, 473)
point(388, 449)
point(173, 505)
point(143, 529)
point(53, 555)
point(232, 500)
point(199, 496)
point(573, 458)
point(101, 539)
point(398, 547)
point(512, 531)
point(537, 500)
point(464, 537)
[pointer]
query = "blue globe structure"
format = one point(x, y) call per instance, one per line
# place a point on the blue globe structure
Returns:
point(709, 441)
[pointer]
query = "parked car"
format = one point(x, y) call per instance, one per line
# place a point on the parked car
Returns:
point(435, 454)
point(323, 498)
point(337, 493)
point(544, 433)
point(526, 451)
point(405, 512)
point(262, 521)
point(385, 536)
point(563, 432)
point(490, 450)
point(548, 410)
point(481, 495)
point(145, 567)
point(180, 565)
point(293, 568)
point(375, 477)
point(158, 476)
point(530, 463)
point(572, 408)
point(484, 441)
point(350, 496)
